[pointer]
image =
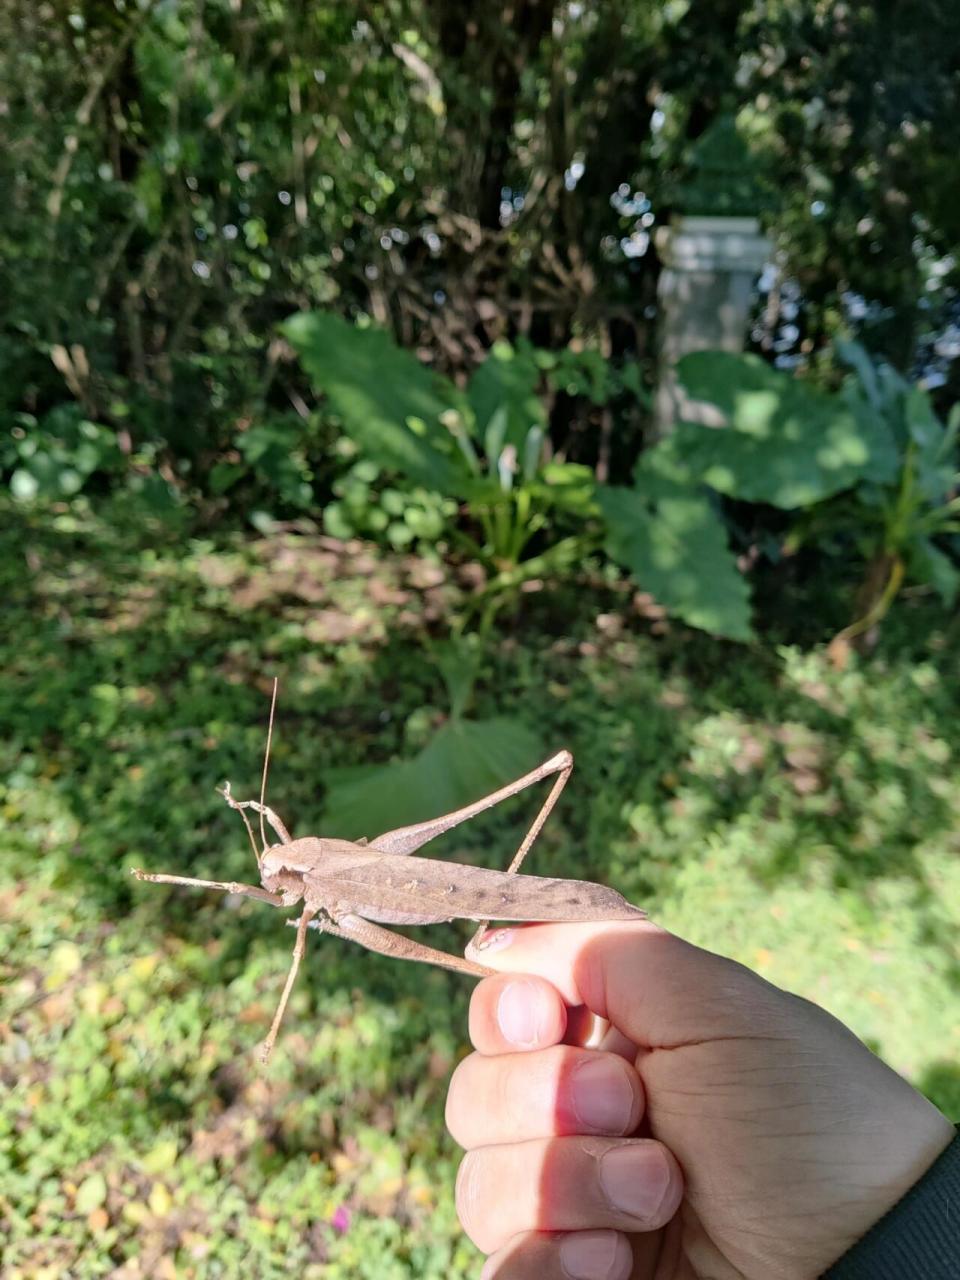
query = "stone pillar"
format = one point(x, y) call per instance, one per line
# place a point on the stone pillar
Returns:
point(705, 295)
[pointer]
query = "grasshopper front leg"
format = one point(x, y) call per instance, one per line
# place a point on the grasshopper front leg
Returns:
point(225, 886)
point(299, 947)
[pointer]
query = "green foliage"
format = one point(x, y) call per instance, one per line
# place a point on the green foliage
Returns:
point(463, 760)
point(192, 172)
point(584, 372)
point(274, 450)
point(664, 532)
point(56, 458)
point(484, 447)
point(723, 178)
point(388, 401)
point(671, 538)
point(896, 514)
point(869, 467)
point(799, 819)
point(783, 442)
point(179, 180)
point(503, 395)
point(860, 179)
point(368, 506)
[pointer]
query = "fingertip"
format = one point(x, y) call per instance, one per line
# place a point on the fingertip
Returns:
point(585, 1255)
point(642, 1180)
point(578, 1255)
point(513, 1014)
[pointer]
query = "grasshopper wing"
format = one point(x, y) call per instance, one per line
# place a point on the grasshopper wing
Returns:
point(402, 889)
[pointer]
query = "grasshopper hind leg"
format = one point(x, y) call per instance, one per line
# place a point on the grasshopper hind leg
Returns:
point(563, 767)
point(396, 945)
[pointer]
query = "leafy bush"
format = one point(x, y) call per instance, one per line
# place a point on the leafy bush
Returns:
point(870, 463)
point(483, 448)
point(272, 451)
point(900, 519)
point(56, 456)
point(671, 535)
point(870, 469)
point(178, 178)
point(368, 506)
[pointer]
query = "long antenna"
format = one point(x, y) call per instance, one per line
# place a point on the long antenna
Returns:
point(266, 765)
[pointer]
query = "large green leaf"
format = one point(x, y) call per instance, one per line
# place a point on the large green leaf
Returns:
point(671, 539)
point(935, 459)
point(929, 564)
point(784, 442)
point(507, 380)
point(390, 403)
point(858, 358)
point(463, 761)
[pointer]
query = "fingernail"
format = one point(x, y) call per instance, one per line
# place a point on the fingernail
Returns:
point(594, 1255)
point(601, 1097)
point(635, 1180)
point(497, 940)
point(520, 1014)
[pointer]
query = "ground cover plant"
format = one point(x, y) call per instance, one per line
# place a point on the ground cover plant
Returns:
point(436, 504)
point(759, 801)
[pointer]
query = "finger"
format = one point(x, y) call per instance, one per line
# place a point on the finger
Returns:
point(614, 1041)
point(566, 1184)
point(509, 1014)
point(658, 990)
point(557, 1091)
point(578, 1255)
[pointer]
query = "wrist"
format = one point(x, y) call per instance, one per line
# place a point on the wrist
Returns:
point(916, 1238)
point(914, 1150)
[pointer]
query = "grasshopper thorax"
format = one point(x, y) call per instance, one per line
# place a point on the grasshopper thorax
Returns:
point(283, 868)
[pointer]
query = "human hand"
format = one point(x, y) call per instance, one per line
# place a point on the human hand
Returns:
point(724, 1129)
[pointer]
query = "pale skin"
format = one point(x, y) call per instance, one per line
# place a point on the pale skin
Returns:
point(724, 1129)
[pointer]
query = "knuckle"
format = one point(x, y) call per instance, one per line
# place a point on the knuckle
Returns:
point(495, 1194)
point(457, 1090)
point(468, 1196)
point(482, 1015)
point(505, 1099)
point(524, 1093)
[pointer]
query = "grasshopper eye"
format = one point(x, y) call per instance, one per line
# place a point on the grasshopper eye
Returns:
point(270, 863)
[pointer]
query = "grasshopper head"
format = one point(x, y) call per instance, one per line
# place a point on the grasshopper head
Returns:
point(282, 869)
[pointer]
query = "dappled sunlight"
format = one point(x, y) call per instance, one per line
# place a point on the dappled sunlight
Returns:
point(758, 413)
point(792, 815)
point(571, 380)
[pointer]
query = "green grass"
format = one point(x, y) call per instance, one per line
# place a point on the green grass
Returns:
point(802, 820)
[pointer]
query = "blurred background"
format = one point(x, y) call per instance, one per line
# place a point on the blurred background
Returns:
point(502, 378)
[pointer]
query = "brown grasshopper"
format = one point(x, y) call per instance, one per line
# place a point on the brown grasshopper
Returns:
point(345, 886)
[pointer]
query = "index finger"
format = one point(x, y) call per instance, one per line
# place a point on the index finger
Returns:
point(656, 989)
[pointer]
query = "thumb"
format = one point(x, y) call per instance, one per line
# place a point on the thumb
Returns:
point(656, 989)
